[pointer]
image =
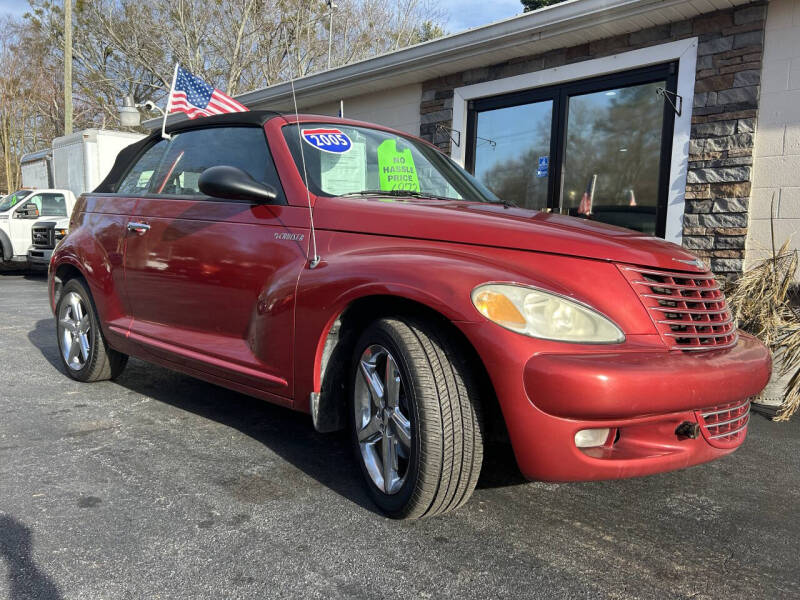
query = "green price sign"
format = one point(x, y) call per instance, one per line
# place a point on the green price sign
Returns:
point(397, 170)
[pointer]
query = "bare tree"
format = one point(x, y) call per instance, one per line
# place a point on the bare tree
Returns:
point(130, 47)
point(31, 98)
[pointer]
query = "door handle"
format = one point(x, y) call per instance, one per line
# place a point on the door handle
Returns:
point(140, 228)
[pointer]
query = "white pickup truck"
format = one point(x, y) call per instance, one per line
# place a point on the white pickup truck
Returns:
point(21, 211)
point(77, 163)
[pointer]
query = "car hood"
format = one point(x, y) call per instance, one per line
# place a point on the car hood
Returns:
point(495, 225)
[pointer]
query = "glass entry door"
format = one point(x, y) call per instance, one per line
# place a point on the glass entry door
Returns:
point(512, 152)
point(598, 149)
point(612, 156)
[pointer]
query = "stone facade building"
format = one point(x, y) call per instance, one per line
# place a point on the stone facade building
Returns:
point(724, 116)
point(700, 170)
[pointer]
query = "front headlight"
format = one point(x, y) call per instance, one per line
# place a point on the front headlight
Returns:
point(60, 233)
point(541, 314)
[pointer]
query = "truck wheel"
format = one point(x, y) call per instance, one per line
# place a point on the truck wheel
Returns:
point(414, 419)
point(82, 347)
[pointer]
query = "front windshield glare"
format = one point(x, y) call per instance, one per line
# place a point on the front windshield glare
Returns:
point(12, 200)
point(344, 160)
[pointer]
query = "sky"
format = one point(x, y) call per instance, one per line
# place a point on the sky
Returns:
point(13, 7)
point(465, 14)
point(460, 14)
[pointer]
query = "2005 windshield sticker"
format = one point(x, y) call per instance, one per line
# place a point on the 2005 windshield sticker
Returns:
point(328, 140)
point(397, 170)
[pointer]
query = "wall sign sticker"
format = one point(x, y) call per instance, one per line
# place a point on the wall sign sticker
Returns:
point(347, 172)
point(541, 169)
point(328, 140)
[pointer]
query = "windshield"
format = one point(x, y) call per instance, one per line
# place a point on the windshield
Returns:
point(345, 160)
point(12, 200)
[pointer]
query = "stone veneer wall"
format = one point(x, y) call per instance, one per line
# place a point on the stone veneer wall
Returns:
point(730, 44)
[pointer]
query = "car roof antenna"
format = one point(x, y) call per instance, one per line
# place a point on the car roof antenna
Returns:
point(315, 258)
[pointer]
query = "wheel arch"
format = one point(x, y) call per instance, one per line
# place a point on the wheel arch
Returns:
point(337, 342)
point(61, 275)
point(82, 254)
point(6, 249)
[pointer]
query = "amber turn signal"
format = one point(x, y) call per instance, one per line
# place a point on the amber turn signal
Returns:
point(498, 308)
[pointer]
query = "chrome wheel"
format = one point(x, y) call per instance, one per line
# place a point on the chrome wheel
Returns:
point(74, 331)
point(382, 422)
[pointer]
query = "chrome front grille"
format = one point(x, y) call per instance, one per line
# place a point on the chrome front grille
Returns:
point(688, 309)
point(43, 237)
point(725, 426)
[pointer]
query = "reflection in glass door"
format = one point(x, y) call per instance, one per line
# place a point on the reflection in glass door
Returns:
point(512, 152)
point(612, 156)
point(598, 148)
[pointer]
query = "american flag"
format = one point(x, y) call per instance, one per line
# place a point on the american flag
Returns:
point(196, 98)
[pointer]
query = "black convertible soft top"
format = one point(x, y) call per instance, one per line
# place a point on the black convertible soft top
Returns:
point(132, 152)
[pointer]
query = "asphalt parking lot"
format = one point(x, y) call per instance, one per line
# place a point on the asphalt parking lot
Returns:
point(162, 486)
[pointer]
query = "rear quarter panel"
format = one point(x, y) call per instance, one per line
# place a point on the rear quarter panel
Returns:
point(95, 246)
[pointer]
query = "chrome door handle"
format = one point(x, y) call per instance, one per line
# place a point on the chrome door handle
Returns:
point(139, 228)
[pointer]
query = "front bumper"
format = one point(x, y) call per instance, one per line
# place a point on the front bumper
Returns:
point(547, 397)
point(39, 257)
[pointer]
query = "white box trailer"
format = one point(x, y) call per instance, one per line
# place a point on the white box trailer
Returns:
point(37, 169)
point(76, 164)
point(81, 160)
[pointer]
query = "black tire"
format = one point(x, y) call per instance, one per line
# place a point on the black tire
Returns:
point(440, 394)
point(103, 362)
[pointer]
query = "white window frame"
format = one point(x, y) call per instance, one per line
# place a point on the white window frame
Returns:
point(684, 51)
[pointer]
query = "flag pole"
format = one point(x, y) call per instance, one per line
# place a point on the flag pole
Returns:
point(169, 102)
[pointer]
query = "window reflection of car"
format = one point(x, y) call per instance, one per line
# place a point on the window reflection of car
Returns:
point(422, 313)
point(638, 218)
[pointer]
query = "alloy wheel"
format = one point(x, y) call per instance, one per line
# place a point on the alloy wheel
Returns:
point(382, 422)
point(74, 331)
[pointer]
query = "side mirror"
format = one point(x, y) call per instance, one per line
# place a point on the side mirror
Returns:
point(232, 183)
point(28, 211)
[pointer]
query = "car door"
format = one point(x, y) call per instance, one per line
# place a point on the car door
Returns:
point(211, 282)
point(20, 224)
point(106, 215)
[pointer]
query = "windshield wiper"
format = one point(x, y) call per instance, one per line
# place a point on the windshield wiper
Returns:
point(397, 193)
point(504, 203)
point(413, 194)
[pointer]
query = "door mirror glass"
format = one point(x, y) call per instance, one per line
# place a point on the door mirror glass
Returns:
point(27, 211)
point(231, 183)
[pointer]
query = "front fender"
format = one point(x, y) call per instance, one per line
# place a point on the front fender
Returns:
point(439, 276)
point(427, 276)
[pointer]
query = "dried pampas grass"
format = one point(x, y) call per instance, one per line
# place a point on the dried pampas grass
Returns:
point(789, 341)
point(761, 303)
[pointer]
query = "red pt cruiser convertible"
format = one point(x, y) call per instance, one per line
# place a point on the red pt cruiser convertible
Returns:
point(410, 305)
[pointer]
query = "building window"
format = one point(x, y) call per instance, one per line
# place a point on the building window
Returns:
point(597, 148)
